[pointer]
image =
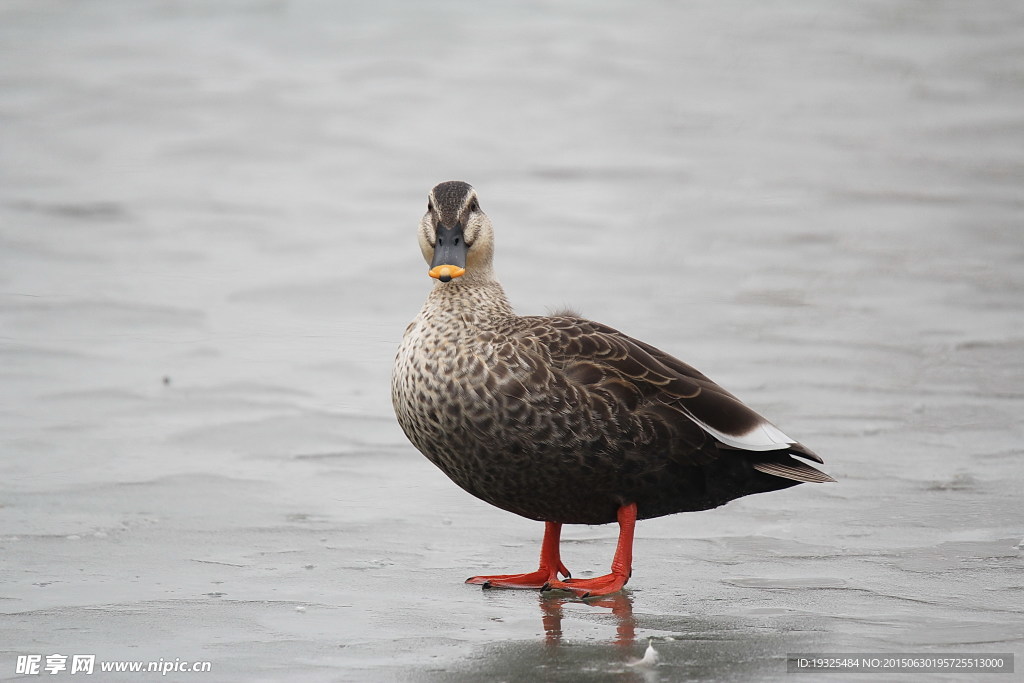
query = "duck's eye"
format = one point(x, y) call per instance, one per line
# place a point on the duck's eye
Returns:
point(430, 206)
point(474, 205)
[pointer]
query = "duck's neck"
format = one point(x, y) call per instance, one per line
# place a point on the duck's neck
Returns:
point(474, 296)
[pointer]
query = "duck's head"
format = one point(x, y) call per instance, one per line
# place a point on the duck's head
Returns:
point(455, 236)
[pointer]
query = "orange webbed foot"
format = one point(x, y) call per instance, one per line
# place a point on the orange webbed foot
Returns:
point(590, 588)
point(536, 579)
point(550, 566)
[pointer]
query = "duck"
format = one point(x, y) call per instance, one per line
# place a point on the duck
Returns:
point(564, 420)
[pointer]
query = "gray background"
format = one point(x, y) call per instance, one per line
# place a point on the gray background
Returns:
point(207, 258)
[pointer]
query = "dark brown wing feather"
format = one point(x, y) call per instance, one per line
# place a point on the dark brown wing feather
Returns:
point(667, 391)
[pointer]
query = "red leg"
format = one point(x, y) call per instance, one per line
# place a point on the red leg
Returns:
point(550, 565)
point(622, 563)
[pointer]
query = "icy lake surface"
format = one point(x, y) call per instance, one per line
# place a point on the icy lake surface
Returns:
point(207, 259)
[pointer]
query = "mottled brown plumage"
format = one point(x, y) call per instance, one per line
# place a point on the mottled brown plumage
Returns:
point(562, 419)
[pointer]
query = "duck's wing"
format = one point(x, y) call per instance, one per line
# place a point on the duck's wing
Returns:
point(592, 354)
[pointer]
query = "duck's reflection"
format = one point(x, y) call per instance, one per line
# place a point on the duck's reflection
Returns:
point(597, 639)
point(624, 666)
point(552, 608)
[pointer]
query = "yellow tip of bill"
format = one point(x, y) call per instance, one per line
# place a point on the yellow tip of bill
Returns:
point(446, 273)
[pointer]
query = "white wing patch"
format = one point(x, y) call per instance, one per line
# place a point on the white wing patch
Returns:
point(763, 437)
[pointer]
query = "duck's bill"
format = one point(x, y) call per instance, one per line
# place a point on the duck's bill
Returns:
point(446, 272)
point(449, 254)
